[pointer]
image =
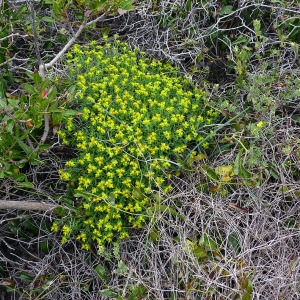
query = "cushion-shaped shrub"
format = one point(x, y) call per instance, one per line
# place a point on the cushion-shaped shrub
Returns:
point(138, 117)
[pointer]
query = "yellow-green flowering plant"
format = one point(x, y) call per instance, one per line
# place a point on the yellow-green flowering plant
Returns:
point(138, 119)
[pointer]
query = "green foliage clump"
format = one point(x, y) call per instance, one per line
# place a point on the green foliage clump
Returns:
point(22, 125)
point(137, 119)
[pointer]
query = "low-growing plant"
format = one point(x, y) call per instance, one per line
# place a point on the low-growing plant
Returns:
point(139, 120)
point(23, 127)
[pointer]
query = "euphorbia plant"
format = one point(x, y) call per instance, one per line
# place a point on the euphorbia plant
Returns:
point(138, 119)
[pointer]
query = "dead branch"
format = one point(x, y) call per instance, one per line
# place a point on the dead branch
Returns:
point(27, 205)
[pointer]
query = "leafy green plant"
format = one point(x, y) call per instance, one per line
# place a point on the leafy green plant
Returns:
point(138, 118)
point(23, 130)
point(88, 8)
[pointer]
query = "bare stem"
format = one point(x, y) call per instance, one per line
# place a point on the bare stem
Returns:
point(27, 205)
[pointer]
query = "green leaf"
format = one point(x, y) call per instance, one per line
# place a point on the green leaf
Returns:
point(26, 148)
point(234, 242)
point(72, 89)
point(246, 296)
point(52, 94)
point(109, 293)
point(45, 247)
point(226, 10)
point(211, 174)
point(154, 236)
point(57, 118)
point(137, 194)
point(241, 40)
point(20, 177)
point(29, 88)
point(237, 163)
point(48, 19)
point(14, 102)
point(296, 118)
point(30, 227)
point(164, 208)
point(69, 113)
point(37, 78)
point(126, 5)
point(61, 211)
point(26, 184)
point(3, 88)
point(26, 277)
point(207, 243)
point(250, 287)
point(200, 252)
point(3, 102)
point(44, 84)
point(101, 271)
point(9, 126)
point(244, 173)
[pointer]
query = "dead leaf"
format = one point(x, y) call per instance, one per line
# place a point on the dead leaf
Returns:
point(28, 123)
point(44, 93)
point(55, 129)
point(238, 208)
point(122, 11)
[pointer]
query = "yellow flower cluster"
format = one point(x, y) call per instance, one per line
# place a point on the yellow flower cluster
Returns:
point(138, 117)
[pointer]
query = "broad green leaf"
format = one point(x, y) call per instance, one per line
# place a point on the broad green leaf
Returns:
point(241, 40)
point(45, 247)
point(20, 177)
point(26, 277)
point(234, 242)
point(72, 89)
point(37, 78)
point(137, 194)
point(3, 88)
point(19, 114)
point(69, 113)
point(237, 163)
point(60, 211)
point(30, 227)
point(294, 117)
point(3, 102)
point(246, 296)
point(207, 243)
point(109, 293)
point(9, 126)
point(45, 84)
point(154, 236)
point(226, 10)
point(26, 148)
point(244, 173)
point(57, 118)
point(126, 5)
point(29, 88)
point(101, 271)
point(48, 19)
point(250, 287)
point(52, 94)
point(200, 252)
point(211, 174)
point(14, 102)
point(26, 184)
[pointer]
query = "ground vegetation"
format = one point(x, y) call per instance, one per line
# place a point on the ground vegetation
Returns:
point(174, 124)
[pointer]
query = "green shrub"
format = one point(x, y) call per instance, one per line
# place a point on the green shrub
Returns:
point(23, 127)
point(137, 119)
